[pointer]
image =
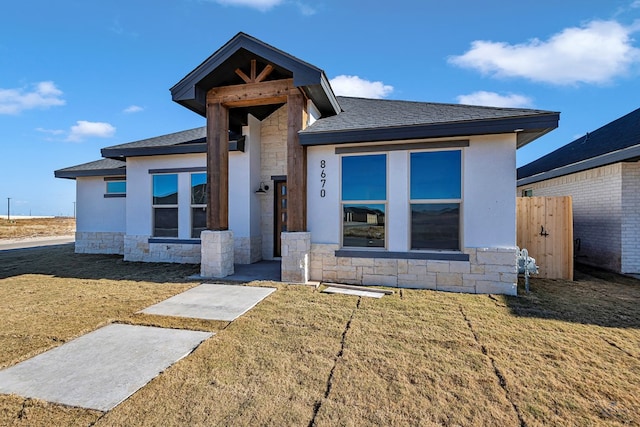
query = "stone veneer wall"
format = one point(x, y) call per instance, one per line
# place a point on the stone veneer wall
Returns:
point(273, 162)
point(138, 248)
point(296, 247)
point(489, 270)
point(96, 242)
point(247, 250)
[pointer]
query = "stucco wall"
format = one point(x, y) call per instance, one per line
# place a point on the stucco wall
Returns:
point(94, 212)
point(488, 199)
point(597, 211)
point(100, 221)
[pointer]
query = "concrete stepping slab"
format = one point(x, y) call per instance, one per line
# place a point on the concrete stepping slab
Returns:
point(102, 368)
point(211, 301)
point(369, 294)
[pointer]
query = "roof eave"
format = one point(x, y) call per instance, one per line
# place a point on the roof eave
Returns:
point(62, 173)
point(626, 154)
point(528, 128)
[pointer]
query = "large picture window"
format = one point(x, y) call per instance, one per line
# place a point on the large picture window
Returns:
point(165, 205)
point(364, 200)
point(198, 204)
point(436, 198)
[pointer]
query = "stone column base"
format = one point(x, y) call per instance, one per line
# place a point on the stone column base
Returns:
point(217, 253)
point(296, 256)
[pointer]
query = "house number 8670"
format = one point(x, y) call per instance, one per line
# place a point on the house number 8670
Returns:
point(323, 178)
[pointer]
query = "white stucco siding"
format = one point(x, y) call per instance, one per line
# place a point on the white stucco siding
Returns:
point(323, 208)
point(139, 191)
point(94, 212)
point(489, 203)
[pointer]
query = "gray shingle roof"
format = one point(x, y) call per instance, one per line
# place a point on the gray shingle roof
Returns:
point(366, 117)
point(104, 167)
point(363, 113)
point(616, 141)
point(182, 137)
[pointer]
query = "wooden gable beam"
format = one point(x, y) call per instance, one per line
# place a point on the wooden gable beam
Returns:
point(253, 78)
point(250, 94)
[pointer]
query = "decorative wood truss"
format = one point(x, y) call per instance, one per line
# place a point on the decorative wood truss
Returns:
point(255, 92)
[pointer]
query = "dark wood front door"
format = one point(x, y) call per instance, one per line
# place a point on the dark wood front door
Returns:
point(280, 214)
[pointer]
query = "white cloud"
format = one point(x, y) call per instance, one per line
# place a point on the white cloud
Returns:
point(308, 10)
point(492, 99)
point(262, 5)
point(594, 53)
point(133, 109)
point(84, 129)
point(41, 95)
point(51, 131)
point(355, 86)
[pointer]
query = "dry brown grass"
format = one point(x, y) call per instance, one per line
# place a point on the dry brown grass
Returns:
point(567, 354)
point(36, 227)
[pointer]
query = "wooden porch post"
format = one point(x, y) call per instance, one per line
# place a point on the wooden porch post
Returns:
point(296, 164)
point(217, 166)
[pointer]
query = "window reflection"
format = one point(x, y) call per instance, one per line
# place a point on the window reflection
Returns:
point(363, 225)
point(435, 226)
point(364, 177)
point(165, 189)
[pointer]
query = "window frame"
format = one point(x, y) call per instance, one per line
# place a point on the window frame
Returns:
point(434, 201)
point(193, 206)
point(365, 202)
point(155, 206)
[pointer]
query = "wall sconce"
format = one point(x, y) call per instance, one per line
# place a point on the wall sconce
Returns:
point(263, 188)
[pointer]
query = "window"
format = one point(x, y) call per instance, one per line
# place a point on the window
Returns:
point(527, 193)
point(165, 205)
point(435, 193)
point(364, 200)
point(198, 204)
point(116, 187)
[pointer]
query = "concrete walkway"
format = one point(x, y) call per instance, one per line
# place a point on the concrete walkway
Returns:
point(211, 302)
point(102, 368)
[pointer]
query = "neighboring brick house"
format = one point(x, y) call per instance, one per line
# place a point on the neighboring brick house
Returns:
point(601, 171)
point(354, 190)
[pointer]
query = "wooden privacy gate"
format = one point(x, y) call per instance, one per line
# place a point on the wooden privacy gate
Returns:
point(545, 228)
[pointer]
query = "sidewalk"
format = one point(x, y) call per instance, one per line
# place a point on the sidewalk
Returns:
point(35, 242)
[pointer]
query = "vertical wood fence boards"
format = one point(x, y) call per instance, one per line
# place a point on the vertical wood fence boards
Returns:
point(545, 228)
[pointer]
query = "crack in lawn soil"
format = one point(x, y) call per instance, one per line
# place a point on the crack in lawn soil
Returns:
point(614, 345)
point(501, 380)
point(318, 404)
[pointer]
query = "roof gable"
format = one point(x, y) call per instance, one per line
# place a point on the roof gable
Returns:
point(611, 143)
point(219, 70)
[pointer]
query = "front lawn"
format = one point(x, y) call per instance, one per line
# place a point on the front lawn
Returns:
point(566, 354)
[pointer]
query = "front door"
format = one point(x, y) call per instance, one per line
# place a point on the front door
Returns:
point(280, 217)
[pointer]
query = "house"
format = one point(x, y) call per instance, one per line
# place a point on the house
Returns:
point(360, 191)
point(601, 171)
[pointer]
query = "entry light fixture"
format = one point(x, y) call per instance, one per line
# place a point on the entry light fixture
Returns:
point(263, 188)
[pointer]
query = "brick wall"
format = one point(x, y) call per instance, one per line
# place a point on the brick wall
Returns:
point(597, 211)
point(630, 229)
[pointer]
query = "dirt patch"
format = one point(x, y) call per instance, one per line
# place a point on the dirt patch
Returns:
point(36, 227)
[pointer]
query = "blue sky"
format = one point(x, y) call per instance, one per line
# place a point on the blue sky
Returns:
point(79, 75)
